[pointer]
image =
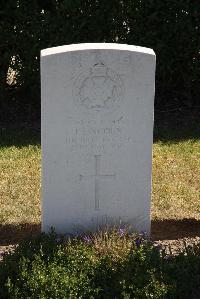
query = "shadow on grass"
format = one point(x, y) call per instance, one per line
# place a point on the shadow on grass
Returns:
point(174, 126)
point(20, 135)
point(171, 229)
point(161, 230)
point(11, 234)
point(177, 126)
point(167, 135)
point(29, 136)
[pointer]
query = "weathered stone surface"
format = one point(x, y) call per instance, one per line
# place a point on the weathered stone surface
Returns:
point(97, 130)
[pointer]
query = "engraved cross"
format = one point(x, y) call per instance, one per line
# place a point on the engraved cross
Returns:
point(97, 177)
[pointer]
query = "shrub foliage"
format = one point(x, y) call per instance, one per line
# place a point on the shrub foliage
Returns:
point(170, 27)
point(107, 265)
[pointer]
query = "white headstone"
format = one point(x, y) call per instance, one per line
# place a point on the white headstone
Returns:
point(97, 131)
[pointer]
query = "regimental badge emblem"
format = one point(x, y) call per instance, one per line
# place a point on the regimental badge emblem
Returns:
point(98, 89)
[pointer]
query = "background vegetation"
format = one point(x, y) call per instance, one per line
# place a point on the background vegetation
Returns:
point(170, 27)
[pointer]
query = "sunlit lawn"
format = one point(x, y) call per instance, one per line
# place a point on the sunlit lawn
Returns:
point(176, 180)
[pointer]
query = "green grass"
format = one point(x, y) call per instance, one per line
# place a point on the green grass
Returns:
point(20, 161)
point(20, 184)
point(176, 180)
point(176, 177)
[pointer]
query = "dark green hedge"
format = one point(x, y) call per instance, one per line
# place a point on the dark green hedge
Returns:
point(170, 27)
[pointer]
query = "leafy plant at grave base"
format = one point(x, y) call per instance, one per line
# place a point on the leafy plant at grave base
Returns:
point(170, 27)
point(106, 265)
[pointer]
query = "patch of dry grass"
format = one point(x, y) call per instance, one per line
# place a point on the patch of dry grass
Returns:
point(20, 184)
point(176, 182)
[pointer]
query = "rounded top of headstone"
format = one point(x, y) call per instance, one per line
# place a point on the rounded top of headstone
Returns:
point(96, 46)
